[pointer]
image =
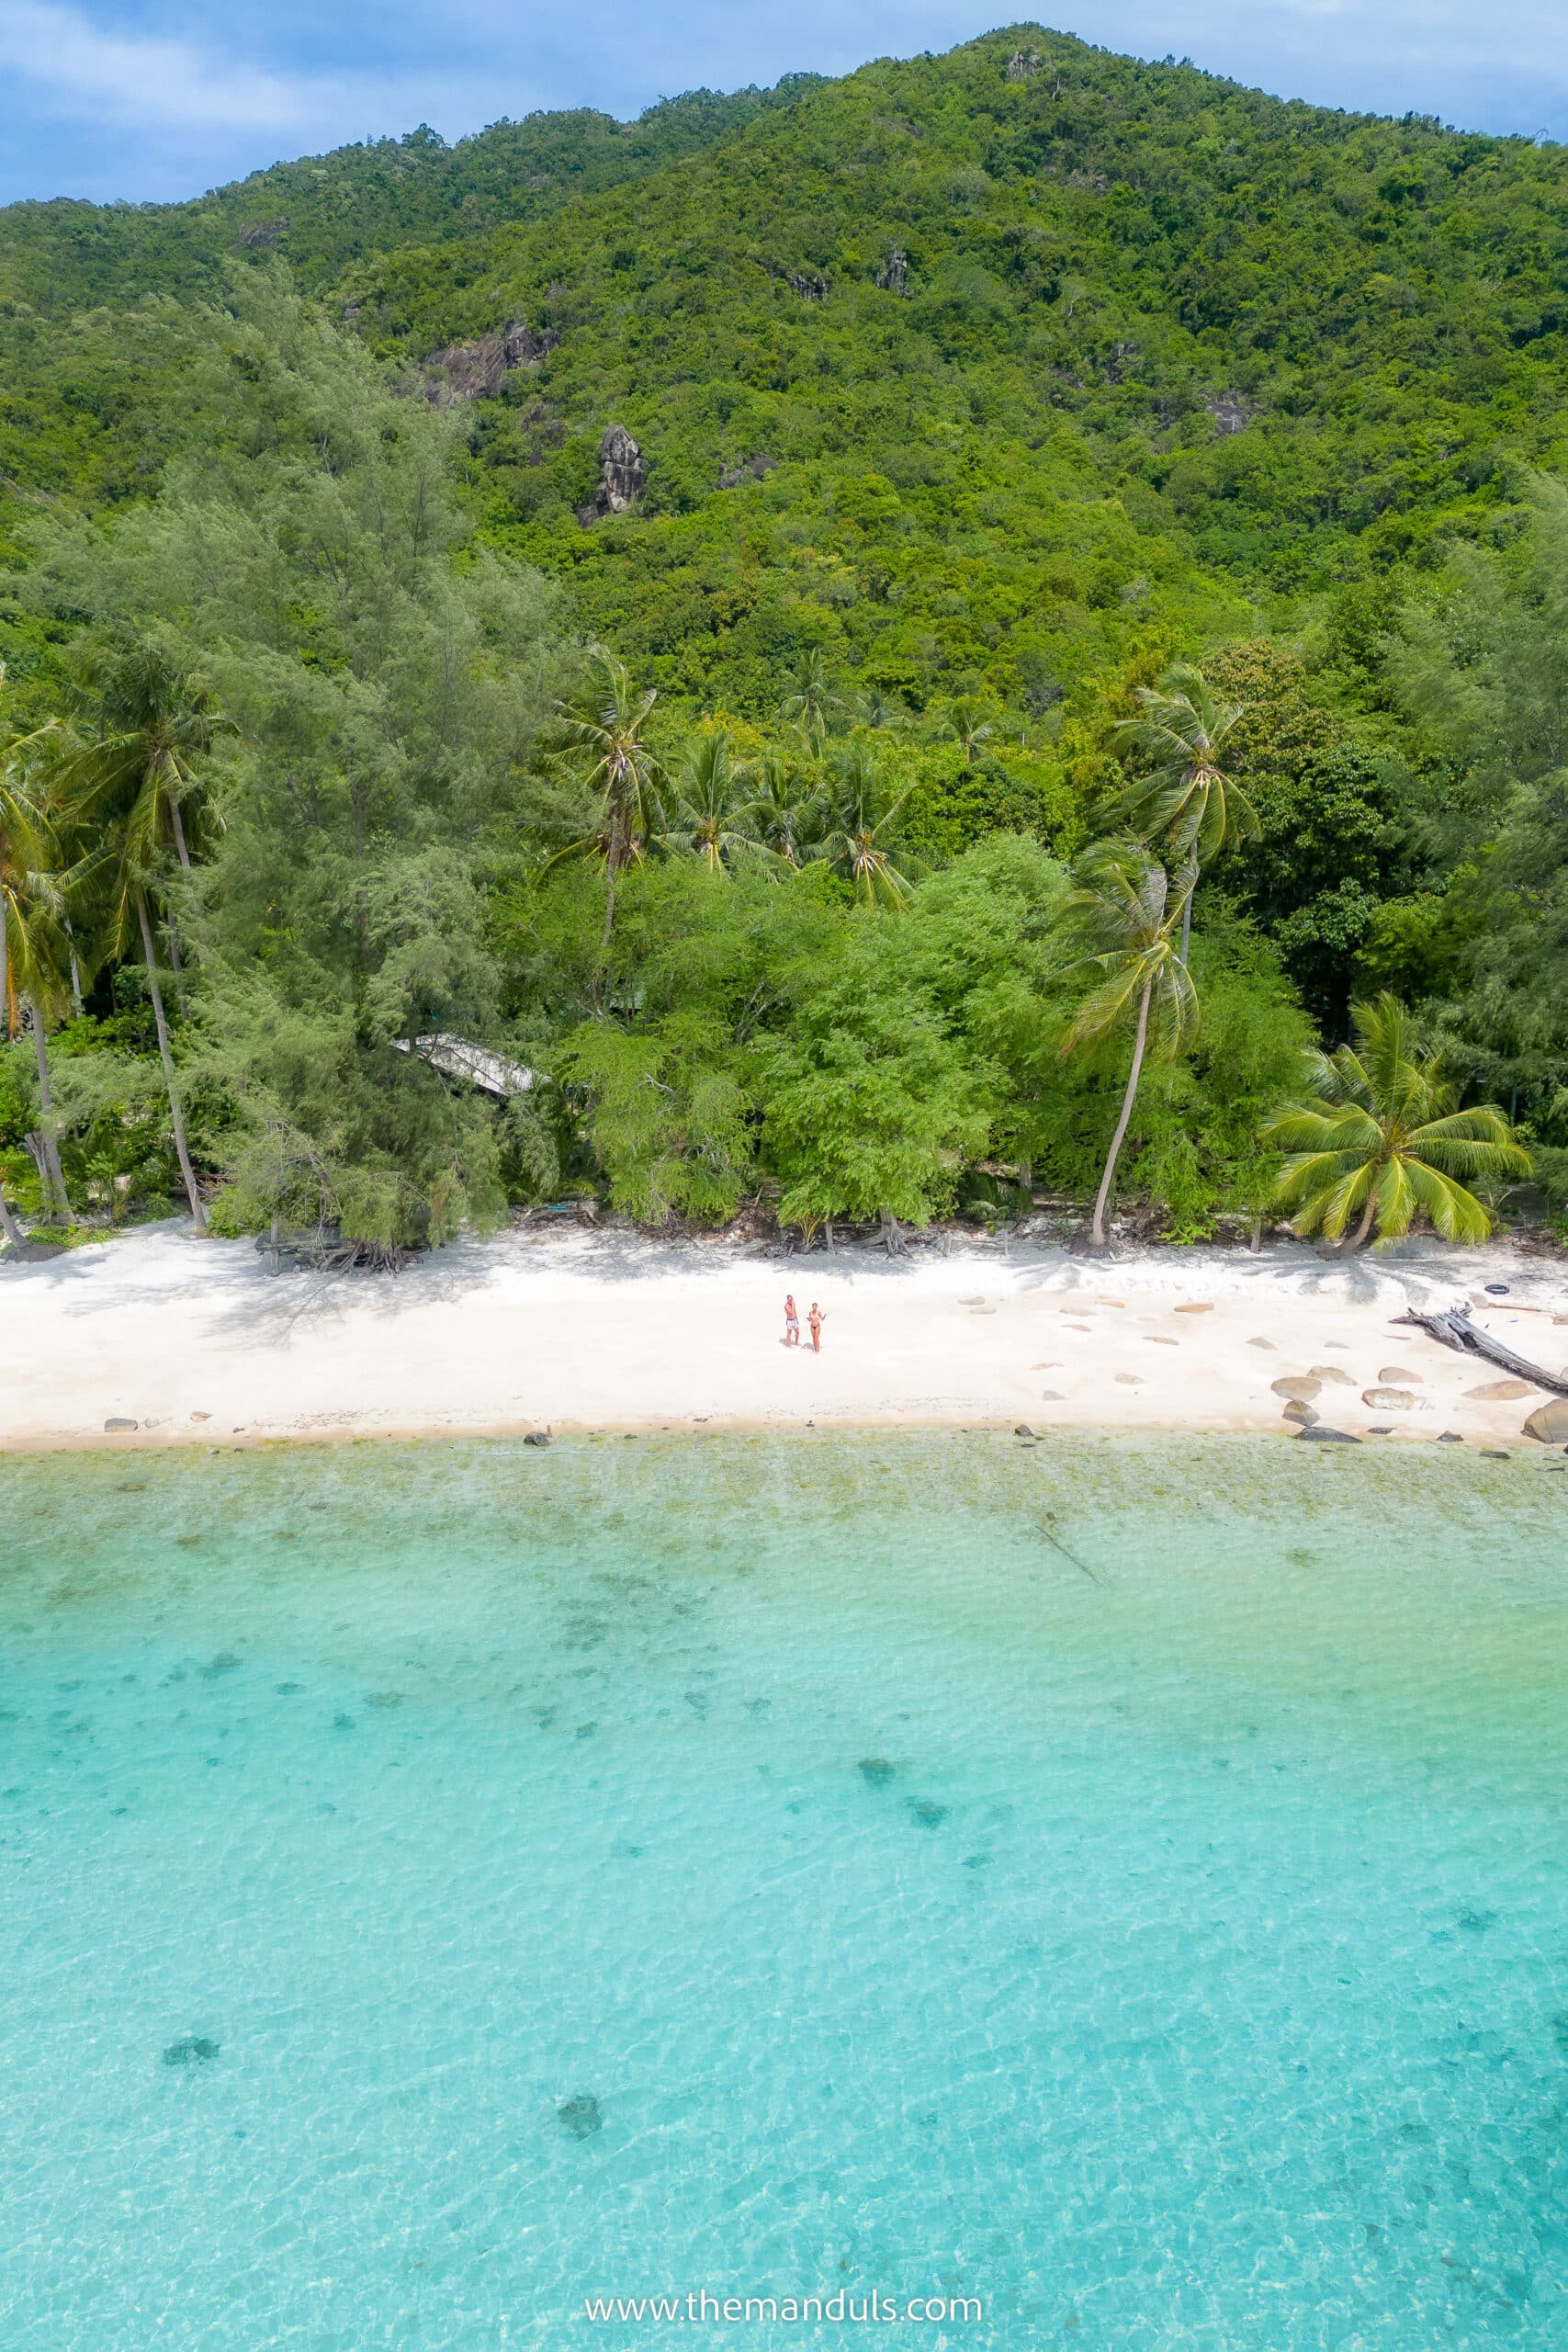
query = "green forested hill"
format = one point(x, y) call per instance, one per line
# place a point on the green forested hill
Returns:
point(967, 393)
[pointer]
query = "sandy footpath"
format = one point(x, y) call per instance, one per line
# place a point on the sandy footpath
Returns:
point(199, 1342)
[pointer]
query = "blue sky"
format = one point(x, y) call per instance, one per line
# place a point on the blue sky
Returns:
point(158, 99)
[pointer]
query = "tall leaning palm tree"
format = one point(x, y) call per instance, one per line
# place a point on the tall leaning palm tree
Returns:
point(1383, 1137)
point(607, 730)
point(862, 832)
point(1123, 905)
point(1184, 805)
point(34, 948)
point(117, 880)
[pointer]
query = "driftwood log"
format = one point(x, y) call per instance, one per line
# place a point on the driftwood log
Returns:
point(1455, 1329)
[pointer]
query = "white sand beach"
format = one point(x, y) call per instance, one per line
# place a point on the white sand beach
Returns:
point(199, 1342)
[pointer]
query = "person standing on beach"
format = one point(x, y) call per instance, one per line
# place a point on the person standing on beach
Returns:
point(792, 1322)
point(816, 1317)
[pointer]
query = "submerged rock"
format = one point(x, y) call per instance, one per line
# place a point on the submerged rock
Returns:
point(191, 2050)
point(928, 1815)
point(877, 1770)
point(1329, 1437)
point(579, 2116)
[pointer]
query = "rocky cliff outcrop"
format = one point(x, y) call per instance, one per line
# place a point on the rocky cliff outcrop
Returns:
point(894, 276)
point(623, 475)
point(476, 371)
point(748, 469)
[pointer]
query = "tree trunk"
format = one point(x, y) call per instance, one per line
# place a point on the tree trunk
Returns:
point(1366, 1225)
point(51, 1148)
point(1187, 923)
point(1255, 1244)
point(179, 831)
point(176, 1117)
point(9, 1229)
point(892, 1233)
point(1139, 1042)
point(76, 970)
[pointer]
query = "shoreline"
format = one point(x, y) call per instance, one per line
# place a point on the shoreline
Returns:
point(609, 1332)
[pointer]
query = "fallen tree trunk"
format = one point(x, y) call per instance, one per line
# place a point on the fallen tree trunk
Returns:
point(1455, 1329)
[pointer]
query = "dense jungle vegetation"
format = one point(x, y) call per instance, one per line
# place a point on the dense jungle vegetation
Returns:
point(884, 638)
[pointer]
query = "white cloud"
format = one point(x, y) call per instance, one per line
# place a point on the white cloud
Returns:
point(146, 78)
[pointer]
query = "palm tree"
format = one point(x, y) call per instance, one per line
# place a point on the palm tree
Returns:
point(33, 945)
point(860, 832)
point(1122, 903)
point(964, 723)
point(1185, 805)
point(714, 807)
point(788, 822)
point(150, 730)
point(811, 695)
point(119, 876)
point(608, 728)
point(1383, 1134)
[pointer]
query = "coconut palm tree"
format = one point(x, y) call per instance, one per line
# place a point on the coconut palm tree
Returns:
point(117, 880)
point(148, 732)
point(788, 822)
point(712, 815)
point(34, 948)
point(607, 729)
point(1122, 903)
point(1184, 805)
point(811, 695)
point(965, 722)
point(1383, 1134)
point(862, 829)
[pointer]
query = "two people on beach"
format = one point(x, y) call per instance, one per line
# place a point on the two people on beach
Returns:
point(815, 1319)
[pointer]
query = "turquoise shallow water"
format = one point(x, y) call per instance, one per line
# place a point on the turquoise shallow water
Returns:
point(1127, 1884)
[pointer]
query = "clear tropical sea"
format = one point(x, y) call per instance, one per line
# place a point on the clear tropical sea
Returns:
point(1126, 1884)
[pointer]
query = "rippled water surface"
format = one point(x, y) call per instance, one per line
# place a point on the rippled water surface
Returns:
point(1123, 1883)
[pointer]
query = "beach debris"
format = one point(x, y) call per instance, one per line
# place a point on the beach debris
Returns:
point(877, 1770)
point(1395, 1375)
point(1077, 1327)
point(1263, 1343)
point(1453, 1328)
point(1195, 1306)
point(1500, 1392)
point(191, 2050)
point(1305, 1415)
point(1159, 1340)
point(117, 1423)
point(1495, 1454)
point(1326, 1436)
point(1390, 1400)
point(1300, 1387)
point(1130, 1379)
point(1549, 1423)
point(537, 1437)
point(1336, 1371)
point(1497, 1290)
point(579, 2116)
point(1052, 1396)
point(929, 1815)
point(201, 1416)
